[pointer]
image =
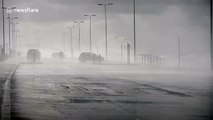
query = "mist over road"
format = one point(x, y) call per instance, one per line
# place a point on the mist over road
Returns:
point(98, 92)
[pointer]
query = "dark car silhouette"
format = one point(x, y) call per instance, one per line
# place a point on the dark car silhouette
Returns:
point(90, 57)
point(33, 55)
point(58, 55)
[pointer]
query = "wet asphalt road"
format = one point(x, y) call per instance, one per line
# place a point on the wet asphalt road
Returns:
point(98, 92)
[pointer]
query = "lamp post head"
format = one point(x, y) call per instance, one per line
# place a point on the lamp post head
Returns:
point(13, 8)
point(79, 22)
point(105, 4)
point(90, 15)
point(12, 18)
point(110, 4)
point(9, 7)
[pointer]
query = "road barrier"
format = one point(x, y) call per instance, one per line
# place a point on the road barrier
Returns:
point(149, 59)
point(6, 103)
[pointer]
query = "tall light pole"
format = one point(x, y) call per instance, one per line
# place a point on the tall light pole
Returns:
point(9, 33)
point(13, 34)
point(211, 33)
point(71, 39)
point(79, 30)
point(116, 38)
point(122, 47)
point(121, 52)
point(9, 30)
point(106, 42)
point(125, 42)
point(19, 42)
point(90, 29)
point(63, 38)
point(16, 38)
point(134, 19)
point(3, 28)
point(179, 53)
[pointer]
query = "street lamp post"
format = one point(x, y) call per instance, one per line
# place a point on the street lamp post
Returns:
point(9, 34)
point(211, 39)
point(122, 48)
point(116, 38)
point(124, 41)
point(127, 50)
point(128, 53)
point(63, 38)
point(19, 43)
point(9, 30)
point(90, 29)
point(3, 28)
point(179, 53)
point(134, 19)
point(79, 30)
point(71, 40)
point(13, 34)
point(105, 10)
point(121, 52)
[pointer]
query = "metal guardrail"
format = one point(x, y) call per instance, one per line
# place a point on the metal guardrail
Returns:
point(6, 103)
point(149, 59)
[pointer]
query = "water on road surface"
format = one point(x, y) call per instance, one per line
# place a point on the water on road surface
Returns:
point(101, 92)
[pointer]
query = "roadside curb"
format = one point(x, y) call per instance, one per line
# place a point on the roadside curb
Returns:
point(6, 103)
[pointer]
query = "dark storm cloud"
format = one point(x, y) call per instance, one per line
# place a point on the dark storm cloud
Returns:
point(159, 16)
point(66, 10)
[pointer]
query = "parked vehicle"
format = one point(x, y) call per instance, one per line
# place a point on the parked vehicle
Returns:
point(58, 55)
point(33, 55)
point(90, 57)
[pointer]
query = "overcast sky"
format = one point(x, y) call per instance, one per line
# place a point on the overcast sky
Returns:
point(159, 24)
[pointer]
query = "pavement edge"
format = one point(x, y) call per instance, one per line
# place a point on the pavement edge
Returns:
point(6, 103)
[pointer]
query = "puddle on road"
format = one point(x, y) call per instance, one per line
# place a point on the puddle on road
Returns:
point(79, 100)
point(170, 92)
point(76, 100)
